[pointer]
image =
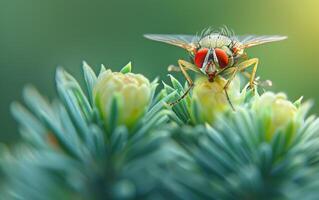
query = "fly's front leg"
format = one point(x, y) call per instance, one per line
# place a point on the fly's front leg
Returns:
point(247, 63)
point(231, 78)
point(184, 65)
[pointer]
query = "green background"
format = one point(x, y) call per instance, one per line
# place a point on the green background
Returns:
point(36, 36)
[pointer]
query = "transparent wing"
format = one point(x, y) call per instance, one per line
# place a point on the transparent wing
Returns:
point(253, 40)
point(187, 42)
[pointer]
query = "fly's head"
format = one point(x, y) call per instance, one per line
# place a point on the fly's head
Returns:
point(211, 60)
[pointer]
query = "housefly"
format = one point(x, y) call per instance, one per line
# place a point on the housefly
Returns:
point(216, 53)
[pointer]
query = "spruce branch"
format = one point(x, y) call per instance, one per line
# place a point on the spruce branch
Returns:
point(73, 152)
point(120, 139)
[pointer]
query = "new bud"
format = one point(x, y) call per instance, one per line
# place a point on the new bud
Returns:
point(281, 110)
point(211, 99)
point(132, 92)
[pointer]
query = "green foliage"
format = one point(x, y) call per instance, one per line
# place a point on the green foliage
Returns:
point(234, 160)
point(69, 152)
point(127, 68)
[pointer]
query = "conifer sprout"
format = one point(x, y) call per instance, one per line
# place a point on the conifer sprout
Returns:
point(281, 111)
point(132, 92)
point(210, 98)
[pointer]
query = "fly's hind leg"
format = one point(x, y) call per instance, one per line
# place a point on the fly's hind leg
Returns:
point(262, 83)
point(247, 63)
point(184, 65)
point(172, 68)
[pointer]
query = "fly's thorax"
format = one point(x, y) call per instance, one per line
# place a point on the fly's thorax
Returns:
point(214, 40)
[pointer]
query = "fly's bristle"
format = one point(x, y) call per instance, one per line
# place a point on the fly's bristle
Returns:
point(224, 31)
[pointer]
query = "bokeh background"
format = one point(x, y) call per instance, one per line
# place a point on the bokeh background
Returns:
point(36, 36)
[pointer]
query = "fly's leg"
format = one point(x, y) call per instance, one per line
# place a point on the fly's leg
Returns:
point(226, 87)
point(173, 68)
point(184, 65)
point(247, 63)
point(262, 83)
point(248, 76)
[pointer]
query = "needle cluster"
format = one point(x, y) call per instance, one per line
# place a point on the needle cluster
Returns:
point(119, 139)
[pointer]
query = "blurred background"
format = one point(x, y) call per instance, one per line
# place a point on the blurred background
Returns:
point(36, 36)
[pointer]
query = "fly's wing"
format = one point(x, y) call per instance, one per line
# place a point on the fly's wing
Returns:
point(253, 40)
point(187, 42)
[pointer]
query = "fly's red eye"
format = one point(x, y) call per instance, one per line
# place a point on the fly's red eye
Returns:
point(200, 57)
point(235, 49)
point(222, 57)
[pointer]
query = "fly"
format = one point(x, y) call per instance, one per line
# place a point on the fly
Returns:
point(216, 53)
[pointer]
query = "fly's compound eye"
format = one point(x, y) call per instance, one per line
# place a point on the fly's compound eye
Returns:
point(200, 56)
point(235, 50)
point(222, 57)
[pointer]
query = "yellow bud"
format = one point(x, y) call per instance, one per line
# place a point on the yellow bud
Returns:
point(211, 99)
point(133, 91)
point(281, 110)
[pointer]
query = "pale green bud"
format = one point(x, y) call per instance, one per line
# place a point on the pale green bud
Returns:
point(280, 109)
point(133, 93)
point(211, 99)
